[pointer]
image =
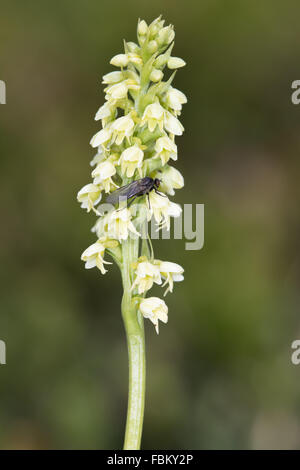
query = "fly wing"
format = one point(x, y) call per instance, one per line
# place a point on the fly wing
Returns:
point(139, 187)
point(127, 191)
point(135, 188)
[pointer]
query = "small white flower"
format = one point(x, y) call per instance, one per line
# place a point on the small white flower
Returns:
point(130, 160)
point(156, 75)
point(89, 196)
point(102, 137)
point(106, 110)
point(155, 309)
point(170, 179)
point(172, 124)
point(153, 115)
point(119, 224)
point(132, 78)
point(117, 91)
point(99, 157)
point(166, 149)
point(122, 127)
point(119, 60)
point(175, 63)
point(132, 84)
point(93, 256)
point(134, 58)
point(174, 210)
point(101, 226)
point(175, 99)
point(162, 209)
point(103, 173)
point(146, 274)
point(112, 77)
point(171, 272)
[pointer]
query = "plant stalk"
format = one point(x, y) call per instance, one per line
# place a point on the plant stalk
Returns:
point(134, 326)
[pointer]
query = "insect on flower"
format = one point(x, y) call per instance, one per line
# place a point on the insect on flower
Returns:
point(135, 189)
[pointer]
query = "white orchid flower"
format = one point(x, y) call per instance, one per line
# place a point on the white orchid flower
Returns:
point(155, 309)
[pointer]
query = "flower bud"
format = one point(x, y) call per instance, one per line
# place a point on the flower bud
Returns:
point(152, 47)
point(142, 28)
point(162, 59)
point(134, 58)
point(117, 91)
point(156, 75)
point(133, 47)
point(155, 26)
point(119, 60)
point(175, 63)
point(112, 77)
point(153, 30)
point(165, 36)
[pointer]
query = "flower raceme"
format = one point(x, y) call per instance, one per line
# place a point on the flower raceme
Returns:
point(139, 124)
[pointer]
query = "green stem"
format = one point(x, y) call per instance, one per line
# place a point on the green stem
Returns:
point(134, 327)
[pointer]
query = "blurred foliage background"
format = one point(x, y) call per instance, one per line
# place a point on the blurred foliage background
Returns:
point(219, 374)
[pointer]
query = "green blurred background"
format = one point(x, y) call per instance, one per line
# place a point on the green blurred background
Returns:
point(219, 374)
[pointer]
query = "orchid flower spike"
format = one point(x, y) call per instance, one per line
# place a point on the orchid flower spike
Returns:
point(135, 143)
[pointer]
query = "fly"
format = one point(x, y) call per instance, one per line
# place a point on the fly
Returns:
point(135, 189)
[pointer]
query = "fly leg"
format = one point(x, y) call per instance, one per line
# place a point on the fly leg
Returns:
point(127, 205)
point(148, 200)
point(159, 193)
point(132, 200)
